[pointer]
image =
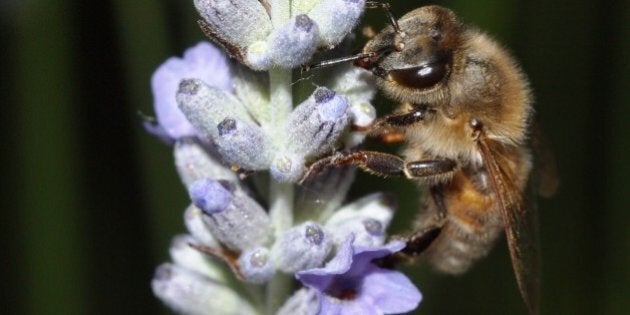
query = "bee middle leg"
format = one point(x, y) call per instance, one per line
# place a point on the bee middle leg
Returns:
point(385, 164)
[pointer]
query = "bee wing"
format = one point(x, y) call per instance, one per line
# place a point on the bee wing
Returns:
point(520, 225)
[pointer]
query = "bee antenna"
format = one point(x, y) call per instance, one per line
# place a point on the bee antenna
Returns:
point(387, 7)
point(332, 62)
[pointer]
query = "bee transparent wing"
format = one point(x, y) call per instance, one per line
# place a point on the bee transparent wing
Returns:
point(521, 227)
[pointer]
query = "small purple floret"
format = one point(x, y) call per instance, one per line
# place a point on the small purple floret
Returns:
point(351, 284)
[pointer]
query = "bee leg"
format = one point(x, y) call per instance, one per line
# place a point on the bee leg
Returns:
point(420, 240)
point(437, 194)
point(415, 245)
point(430, 169)
point(397, 121)
point(424, 235)
point(390, 128)
point(384, 164)
point(377, 163)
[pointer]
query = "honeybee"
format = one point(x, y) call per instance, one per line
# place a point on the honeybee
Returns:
point(466, 115)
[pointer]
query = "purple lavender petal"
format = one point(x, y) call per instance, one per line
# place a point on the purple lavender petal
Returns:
point(203, 61)
point(156, 130)
point(321, 278)
point(363, 256)
point(391, 291)
point(341, 307)
point(351, 284)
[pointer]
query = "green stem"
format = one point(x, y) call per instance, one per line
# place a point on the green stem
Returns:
point(278, 291)
point(281, 105)
point(280, 12)
point(281, 194)
point(280, 99)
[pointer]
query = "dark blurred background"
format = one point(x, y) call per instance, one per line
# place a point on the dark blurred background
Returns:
point(90, 202)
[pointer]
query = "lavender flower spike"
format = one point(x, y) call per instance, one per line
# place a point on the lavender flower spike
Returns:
point(243, 134)
point(204, 62)
point(351, 284)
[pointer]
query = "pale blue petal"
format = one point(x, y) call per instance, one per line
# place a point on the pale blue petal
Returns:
point(390, 291)
point(203, 61)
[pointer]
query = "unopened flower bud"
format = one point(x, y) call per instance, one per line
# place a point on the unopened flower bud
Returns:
point(366, 218)
point(287, 167)
point(234, 218)
point(302, 247)
point(302, 302)
point(184, 255)
point(257, 56)
point(188, 292)
point(294, 43)
point(236, 22)
point(363, 114)
point(193, 219)
point(205, 106)
point(193, 162)
point(242, 144)
point(315, 126)
point(356, 84)
point(336, 18)
point(255, 265)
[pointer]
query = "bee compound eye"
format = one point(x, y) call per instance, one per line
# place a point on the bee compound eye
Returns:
point(420, 77)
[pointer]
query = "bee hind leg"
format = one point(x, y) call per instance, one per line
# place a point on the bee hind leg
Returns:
point(416, 244)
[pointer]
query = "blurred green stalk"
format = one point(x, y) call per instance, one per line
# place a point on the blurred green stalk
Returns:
point(52, 262)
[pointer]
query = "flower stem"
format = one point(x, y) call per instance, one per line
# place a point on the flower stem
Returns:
point(280, 12)
point(281, 194)
point(280, 99)
point(278, 291)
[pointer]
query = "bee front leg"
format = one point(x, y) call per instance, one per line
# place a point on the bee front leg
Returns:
point(391, 128)
point(412, 116)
